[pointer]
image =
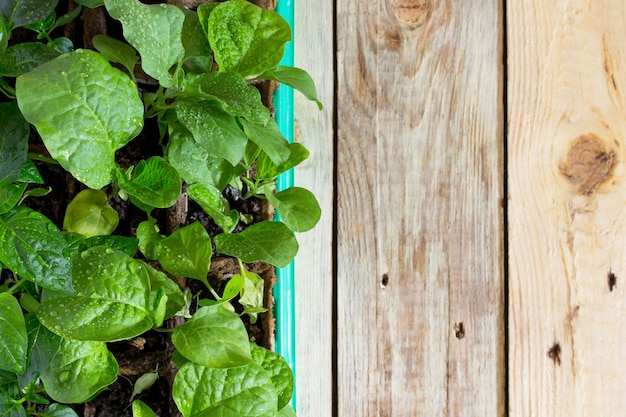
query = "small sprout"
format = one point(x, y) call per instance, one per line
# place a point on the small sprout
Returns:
point(144, 382)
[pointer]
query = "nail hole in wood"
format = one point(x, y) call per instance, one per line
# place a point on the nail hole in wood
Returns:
point(611, 280)
point(384, 281)
point(554, 353)
point(459, 330)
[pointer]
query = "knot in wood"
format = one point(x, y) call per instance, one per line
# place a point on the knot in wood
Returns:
point(413, 13)
point(589, 163)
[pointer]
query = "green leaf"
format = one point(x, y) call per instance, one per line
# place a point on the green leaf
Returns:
point(91, 3)
point(90, 214)
point(186, 252)
point(84, 110)
point(30, 174)
point(216, 206)
point(287, 411)
point(270, 242)
point(155, 31)
point(42, 346)
point(144, 382)
point(23, 12)
point(279, 372)
point(204, 12)
point(298, 208)
point(24, 57)
point(268, 138)
point(60, 410)
point(245, 391)
point(112, 298)
point(214, 338)
point(62, 45)
point(213, 128)
point(35, 249)
point(14, 343)
point(233, 287)
point(153, 182)
point(246, 38)
point(10, 408)
point(293, 77)
point(174, 297)
point(266, 169)
point(197, 48)
point(10, 196)
point(233, 92)
point(125, 244)
point(140, 409)
point(116, 51)
point(79, 370)
point(148, 235)
point(4, 36)
point(195, 164)
point(252, 294)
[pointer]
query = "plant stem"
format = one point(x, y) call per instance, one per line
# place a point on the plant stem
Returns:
point(16, 286)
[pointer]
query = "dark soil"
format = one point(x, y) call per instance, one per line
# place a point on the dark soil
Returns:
point(152, 349)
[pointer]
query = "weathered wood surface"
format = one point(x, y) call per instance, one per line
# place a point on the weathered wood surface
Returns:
point(313, 51)
point(420, 220)
point(567, 120)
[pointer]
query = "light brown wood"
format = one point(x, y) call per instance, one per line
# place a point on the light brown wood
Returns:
point(567, 122)
point(420, 222)
point(313, 265)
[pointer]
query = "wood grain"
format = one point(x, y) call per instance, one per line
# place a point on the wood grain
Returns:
point(420, 223)
point(567, 207)
point(313, 265)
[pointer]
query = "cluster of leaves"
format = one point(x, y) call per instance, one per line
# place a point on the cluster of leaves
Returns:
point(71, 290)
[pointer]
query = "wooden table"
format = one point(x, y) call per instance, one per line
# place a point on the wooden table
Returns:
point(471, 258)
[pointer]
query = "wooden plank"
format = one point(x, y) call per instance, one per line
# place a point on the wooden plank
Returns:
point(567, 122)
point(313, 265)
point(420, 223)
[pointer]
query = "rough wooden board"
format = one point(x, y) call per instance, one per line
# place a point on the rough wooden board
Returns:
point(567, 207)
point(420, 223)
point(313, 265)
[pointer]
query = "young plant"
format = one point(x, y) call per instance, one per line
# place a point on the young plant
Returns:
point(66, 292)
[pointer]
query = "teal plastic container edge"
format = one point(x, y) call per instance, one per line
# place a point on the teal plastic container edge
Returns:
point(284, 290)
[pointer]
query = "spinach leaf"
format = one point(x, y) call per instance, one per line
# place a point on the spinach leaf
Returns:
point(4, 36)
point(213, 337)
point(245, 391)
point(270, 242)
point(14, 343)
point(117, 51)
point(198, 56)
point(279, 372)
point(35, 249)
point(90, 214)
point(140, 409)
point(59, 410)
point(246, 38)
point(112, 298)
point(252, 295)
point(293, 77)
point(90, 3)
point(125, 244)
point(23, 12)
point(268, 137)
point(287, 411)
point(24, 57)
point(154, 182)
point(298, 208)
point(78, 370)
point(84, 110)
point(10, 196)
point(233, 92)
point(195, 164)
point(155, 31)
point(265, 168)
point(216, 206)
point(213, 128)
point(186, 252)
point(14, 132)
